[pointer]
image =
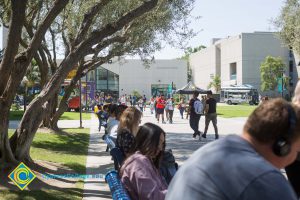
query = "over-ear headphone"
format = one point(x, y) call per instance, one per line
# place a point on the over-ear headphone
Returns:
point(282, 146)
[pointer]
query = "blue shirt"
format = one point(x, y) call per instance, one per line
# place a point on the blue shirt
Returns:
point(229, 169)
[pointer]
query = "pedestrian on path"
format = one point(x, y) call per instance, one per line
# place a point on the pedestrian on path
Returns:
point(160, 106)
point(195, 116)
point(140, 172)
point(170, 104)
point(248, 166)
point(211, 114)
point(181, 107)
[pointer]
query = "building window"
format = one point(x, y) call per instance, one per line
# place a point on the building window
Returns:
point(107, 82)
point(233, 71)
point(291, 65)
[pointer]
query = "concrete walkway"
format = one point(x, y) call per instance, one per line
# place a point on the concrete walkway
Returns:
point(98, 162)
point(179, 139)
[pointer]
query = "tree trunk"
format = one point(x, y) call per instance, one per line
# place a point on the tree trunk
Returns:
point(21, 140)
point(6, 155)
point(50, 111)
point(63, 105)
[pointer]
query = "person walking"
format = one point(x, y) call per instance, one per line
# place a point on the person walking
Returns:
point(195, 114)
point(170, 104)
point(181, 107)
point(152, 104)
point(210, 114)
point(160, 107)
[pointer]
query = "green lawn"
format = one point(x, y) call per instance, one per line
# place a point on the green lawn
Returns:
point(17, 115)
point(69, 149)
point(235, 111)
point(75, 116)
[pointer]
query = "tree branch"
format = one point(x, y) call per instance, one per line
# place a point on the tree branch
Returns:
point(58, 6)
point(14, 36)
point(109, 29)
point(88, 20)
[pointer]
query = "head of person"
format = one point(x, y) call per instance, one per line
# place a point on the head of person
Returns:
point(273, 129)
point(162, 96)
point(119, 111)
point(112, 108)
point(130, 119)
point(209, 94)
point(99, 107)
point(150, 141)
point(195, 94)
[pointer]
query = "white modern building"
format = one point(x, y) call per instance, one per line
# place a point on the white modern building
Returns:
point(3, 37)
point(237, 59)
point(126, 76)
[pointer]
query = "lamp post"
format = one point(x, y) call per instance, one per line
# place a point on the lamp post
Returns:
point(80, 107)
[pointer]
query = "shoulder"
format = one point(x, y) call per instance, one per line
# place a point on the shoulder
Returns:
point(273, 185)
point(137, 161)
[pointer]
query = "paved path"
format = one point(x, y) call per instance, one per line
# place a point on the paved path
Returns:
point(98, 162)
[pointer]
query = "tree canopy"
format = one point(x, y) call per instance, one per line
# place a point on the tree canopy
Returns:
point(100, 29)
point(271, 70)
point(289, 24)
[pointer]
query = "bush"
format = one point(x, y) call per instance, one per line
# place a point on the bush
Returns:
point(137, 94)
point(15, 107)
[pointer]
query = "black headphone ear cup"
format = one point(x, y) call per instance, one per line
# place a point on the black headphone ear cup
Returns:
point(281, 147)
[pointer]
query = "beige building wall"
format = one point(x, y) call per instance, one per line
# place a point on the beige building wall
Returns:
point(133, 75)
point(231, 54)
point(256, 47)
point(204, 65)
point(246, 51)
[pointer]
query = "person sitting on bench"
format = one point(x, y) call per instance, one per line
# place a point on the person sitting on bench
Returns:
point(140, 171)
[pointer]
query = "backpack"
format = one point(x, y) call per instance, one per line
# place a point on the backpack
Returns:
point(198, 107)
point(168, 166)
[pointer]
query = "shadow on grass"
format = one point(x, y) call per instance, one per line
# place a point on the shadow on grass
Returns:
point(54, 193)
point(75, 144)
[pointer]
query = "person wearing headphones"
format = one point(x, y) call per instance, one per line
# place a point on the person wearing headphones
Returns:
point(245, 166)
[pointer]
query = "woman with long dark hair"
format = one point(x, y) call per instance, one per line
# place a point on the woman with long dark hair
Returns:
point(140, 171)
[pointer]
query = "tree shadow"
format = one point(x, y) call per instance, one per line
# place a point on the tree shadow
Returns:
point(75, 144)
point(183, 145)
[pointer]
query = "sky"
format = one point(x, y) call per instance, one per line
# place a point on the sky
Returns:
point(222, 18)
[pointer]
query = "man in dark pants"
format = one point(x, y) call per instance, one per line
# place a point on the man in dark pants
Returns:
point(194, 117)
point(210, 114)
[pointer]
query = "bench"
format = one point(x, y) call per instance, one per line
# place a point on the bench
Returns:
point(116, 187)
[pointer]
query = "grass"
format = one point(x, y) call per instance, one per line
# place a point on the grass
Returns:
point(75, 116)
point(65, 194)
point(235, 111)
point(17, 115)
point(69, 149)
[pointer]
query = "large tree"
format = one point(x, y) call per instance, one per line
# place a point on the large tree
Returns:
point(215, 83)
point(288, 23)
point(106, 29)
point(271, 69)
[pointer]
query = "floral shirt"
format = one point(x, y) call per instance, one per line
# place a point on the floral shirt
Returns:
point(125, 141)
